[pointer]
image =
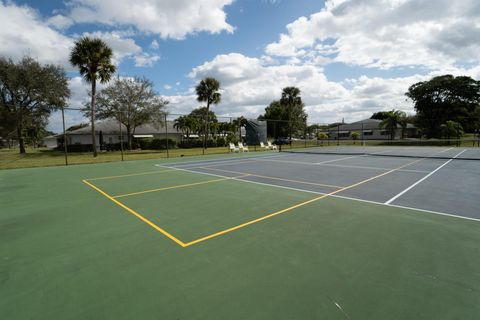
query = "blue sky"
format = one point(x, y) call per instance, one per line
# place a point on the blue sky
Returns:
point(349, 58)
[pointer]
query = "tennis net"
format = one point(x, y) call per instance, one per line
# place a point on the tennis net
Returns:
point(435, 149)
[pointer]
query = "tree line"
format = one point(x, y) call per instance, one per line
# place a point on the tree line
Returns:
point(446, 107)
point(29, 92)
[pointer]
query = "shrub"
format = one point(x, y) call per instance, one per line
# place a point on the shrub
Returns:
point(322, 136)
point(78, 148)
point(144, 143)
point(231, 138)
point(221, 142)
point(190, 144)
point(161, 144)
point(355, 135)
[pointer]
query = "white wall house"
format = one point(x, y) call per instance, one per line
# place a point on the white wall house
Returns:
point(368, 129)
point(109, 132)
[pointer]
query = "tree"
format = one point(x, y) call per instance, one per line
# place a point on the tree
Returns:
point(381, 115)
point(293, 104)
point(287, 114)
point(36, 131)
point(322, 136)
point(237, 124)
point(207, 91)
point(77, 126)
point(476, 121)
point(29, 92)
point(451, 129)
point(186, 124)
point(355, 135)
point(312, 129)
point(202, 117)
point(393, 119)
point(214, 128)
point(93, 59)
point(7, 126)
point(444, 98)
point(132, 102)
point(277, 120)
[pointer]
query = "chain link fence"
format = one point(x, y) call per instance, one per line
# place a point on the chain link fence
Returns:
point(179, 135)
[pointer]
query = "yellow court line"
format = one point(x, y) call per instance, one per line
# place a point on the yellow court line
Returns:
point(297, 205)
point(151, 224)
point(275, 178)
point(131, 175)
point(178, 186)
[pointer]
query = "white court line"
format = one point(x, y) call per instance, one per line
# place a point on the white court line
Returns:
point(423, 179)
point(328, 161)
point(248, 181)
point(372, 168)
point(339, 165)
point(290, 161)
point(226, 160)
point(333, 195)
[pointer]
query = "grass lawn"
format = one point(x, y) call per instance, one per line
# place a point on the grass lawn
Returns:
point(42, 157)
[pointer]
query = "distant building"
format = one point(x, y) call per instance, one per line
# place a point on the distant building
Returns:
point(108, 133)
point(369, 129)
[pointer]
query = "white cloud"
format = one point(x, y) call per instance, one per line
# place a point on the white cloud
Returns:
point(167, 87)
point(168, 18)
point(145, 59)
point(248, 85)
point(22, 32)
point(60, 21)
point(79, 90)
point(78, 97)
point(122, 47)
point(154, 45)
point(387, 33)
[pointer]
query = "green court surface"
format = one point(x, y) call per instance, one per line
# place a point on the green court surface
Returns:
point(136, 241)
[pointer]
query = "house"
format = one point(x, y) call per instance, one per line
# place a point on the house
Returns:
point(50, 141)
point(369, 129)
point(108, 132)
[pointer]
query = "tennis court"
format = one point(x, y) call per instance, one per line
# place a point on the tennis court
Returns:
point(334, 233)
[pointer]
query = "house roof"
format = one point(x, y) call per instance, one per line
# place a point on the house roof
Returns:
point(366, 124)
point(112, 127)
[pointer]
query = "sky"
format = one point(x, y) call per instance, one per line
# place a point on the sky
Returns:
point(349, 58)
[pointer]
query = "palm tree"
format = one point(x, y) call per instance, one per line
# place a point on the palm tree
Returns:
point(179, 124)
point(451, 129)
point(392, 120)
point(207, 90)
point(186, 124)
point(214, 128)
point(93, 59)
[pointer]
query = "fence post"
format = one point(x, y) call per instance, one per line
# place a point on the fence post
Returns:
point(204, 134)
point(64, 137)
point(478, 137)
point(338, 135)
point(239, 130)
point(274, 130)
point(305, 133)
point(363, 138)
point(166, 134)
point(121, 135)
